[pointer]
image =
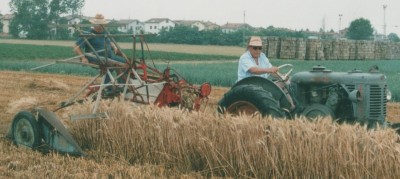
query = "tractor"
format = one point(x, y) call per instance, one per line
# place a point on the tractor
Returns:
point(350, 97)
point(40, 128)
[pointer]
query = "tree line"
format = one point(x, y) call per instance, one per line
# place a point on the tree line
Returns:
point(34, 18)
point(191, 35)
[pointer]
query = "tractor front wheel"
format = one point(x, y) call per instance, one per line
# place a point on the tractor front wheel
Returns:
point(250, 100)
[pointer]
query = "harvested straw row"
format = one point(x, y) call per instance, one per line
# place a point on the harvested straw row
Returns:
point(25, 163)
point(240, 146)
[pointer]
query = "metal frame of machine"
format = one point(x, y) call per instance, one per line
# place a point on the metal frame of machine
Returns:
point(40, 128)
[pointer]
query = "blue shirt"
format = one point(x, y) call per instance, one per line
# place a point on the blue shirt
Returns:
point(97, 43)
point(246, 61)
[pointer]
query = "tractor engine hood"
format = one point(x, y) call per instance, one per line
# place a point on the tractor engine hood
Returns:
point(321, 75)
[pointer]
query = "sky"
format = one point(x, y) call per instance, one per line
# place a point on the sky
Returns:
point(292, 14)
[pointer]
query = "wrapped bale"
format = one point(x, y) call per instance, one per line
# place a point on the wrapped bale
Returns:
point(364, 50)
point(300, 49)
point(288, 48)
point(272, 49)
point(314, 50)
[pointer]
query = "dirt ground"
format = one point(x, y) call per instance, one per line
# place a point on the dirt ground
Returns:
point(22, 90)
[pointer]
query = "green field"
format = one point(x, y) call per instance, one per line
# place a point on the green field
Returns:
point(41, 52)
point(219, 70)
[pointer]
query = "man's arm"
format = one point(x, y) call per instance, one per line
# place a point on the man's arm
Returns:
point(116, 50)
point(78, 51)
point(259, 70)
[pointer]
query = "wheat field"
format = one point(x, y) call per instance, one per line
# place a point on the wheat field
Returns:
point(150, 142)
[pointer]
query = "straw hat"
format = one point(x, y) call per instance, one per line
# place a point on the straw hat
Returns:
point(255, 41)
point(99, 19)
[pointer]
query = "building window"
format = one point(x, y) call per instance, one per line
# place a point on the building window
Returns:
point(155, 27)
point(151, 27)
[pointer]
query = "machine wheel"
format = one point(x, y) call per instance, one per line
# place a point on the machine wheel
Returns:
point(318, 110)
point(25, 130)
point(249, 99)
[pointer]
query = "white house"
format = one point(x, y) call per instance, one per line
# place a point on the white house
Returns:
point(5, 20)
point(131, 25)
point(185, 22)
point(205, 25)
point(154, 25)
point(201, 25)
point(233, 27)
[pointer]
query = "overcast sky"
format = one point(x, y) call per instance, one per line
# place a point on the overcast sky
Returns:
point(293, 14)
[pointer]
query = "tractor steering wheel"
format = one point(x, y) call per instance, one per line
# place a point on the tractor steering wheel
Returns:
point(284, 76)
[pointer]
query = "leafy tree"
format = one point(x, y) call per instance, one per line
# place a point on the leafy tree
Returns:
point(360, 29)
point(282, 32)
point(83, 28)
point(393, 37)
point(214, 37)
point(62, 33)
point(59, 7)
point(181, 34)
point(112, 27)
point(28, 17)
point(34, 16)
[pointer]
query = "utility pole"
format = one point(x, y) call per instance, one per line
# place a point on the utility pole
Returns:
point(244, 28)
point(340, 24)
point(384, 20)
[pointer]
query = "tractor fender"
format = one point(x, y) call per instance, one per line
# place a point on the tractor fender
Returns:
point(269, 86)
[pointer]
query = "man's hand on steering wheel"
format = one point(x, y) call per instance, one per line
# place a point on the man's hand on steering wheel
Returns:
point(284, 77)
point(274, 69)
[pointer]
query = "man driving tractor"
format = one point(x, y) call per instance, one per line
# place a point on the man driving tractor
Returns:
point(255, 63)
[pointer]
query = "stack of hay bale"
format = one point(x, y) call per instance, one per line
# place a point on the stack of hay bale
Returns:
point(272, 49)
point(314, 50)
point(288, 48)
point(365, 50)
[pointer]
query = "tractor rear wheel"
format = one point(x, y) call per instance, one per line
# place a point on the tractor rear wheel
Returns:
point(25, 130)
point(249, 100)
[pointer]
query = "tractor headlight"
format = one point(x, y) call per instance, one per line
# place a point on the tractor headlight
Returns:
point(388, 95)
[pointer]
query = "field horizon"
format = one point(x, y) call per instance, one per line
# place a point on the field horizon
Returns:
point(180, 48)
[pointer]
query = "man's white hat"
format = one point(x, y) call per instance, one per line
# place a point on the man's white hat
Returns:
point(255, 41)
point(99, 20)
